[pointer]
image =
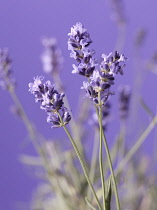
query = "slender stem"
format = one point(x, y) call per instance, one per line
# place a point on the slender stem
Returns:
point(121, 37)
point(121, 140)
point(137, 145)
point(112, 172)
point(100, 153)
point(93, 163)
point(89, 204)
point(108, 153)
point(25, 119)
point(83, 165)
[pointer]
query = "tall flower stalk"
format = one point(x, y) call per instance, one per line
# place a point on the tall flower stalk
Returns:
point(100, 79)
point(100, 151)
point(52, 102)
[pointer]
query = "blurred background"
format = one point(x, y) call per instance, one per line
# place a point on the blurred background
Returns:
point(126, 26)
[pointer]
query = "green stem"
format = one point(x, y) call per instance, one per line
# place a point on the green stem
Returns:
point(121, 141)
point(93, 163)
point(100, 152)
point(28, 124)
point(89, 204)
point(112, 172)
point(83, 165)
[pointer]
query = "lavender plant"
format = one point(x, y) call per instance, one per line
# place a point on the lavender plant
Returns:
point(97, 89)
point(65, 186)
point(7, 81)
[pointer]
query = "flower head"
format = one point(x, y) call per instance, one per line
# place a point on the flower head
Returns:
point(6, 79)
point(124, 101)
point(113, 64)
point(79, 40)
point(51, 101)
point(51, 57)
point(100, 78)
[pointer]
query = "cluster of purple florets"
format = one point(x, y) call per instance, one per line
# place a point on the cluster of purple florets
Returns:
point(7, 80)
point(124, 101)
point(51, 101)
point(100, 77)
point(78, 43)
point(51, 57)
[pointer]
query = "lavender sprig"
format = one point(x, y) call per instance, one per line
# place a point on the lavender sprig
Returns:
point(7, 80)
point(51, 57)
point(124, 101)
point(51, 101)
point(98, 86)
point(101, 80)
point(79, 40)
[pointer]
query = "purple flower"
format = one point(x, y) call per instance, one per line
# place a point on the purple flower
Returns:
point(100, 79)
point(51, 101)
point(51, 57)
point(58, 121)
point(6, 79)
point(79, 40)
point(90, 92)
point(124, 101)
point(113, 64)
point(54, 119)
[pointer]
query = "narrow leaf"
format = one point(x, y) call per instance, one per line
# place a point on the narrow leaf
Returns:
point(108, 193)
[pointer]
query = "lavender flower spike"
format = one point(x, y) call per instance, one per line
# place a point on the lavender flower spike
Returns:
point(79, 40)
point(113, 64)
point(124, 101)
point(51, 57)
point(6, 79)
point(101, 80)
point(51, 101)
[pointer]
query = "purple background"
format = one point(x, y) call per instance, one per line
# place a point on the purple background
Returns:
point(22, 25)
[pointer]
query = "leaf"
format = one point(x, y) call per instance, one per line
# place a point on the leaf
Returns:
point(108, 193)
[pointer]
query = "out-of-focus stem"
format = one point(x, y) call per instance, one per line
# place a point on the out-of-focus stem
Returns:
point(137, 145)
point(25, 119)
point(121, 37)
point(121, 140)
